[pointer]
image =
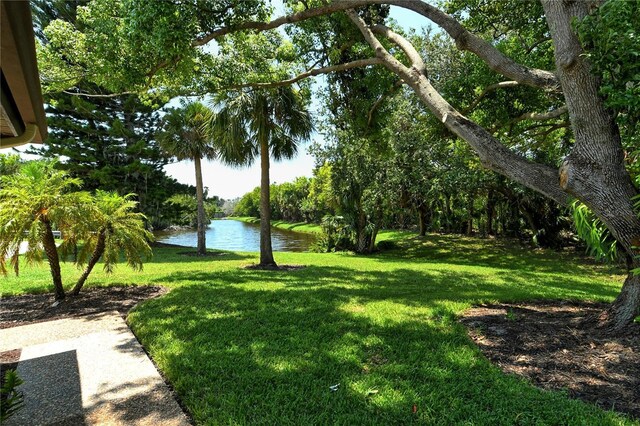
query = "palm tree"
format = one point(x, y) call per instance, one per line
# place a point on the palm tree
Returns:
point(116, 227)
point(32, 202)
point(264, 123)
point(183, 136)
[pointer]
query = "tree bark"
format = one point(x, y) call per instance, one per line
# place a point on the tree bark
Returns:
point(95, 257)
point(423, 218)
point(50, 249)
point(624, 309)
point(594, 171)
point(201, 226)
point(361, 235)
point(266, 253)
point(376, 227)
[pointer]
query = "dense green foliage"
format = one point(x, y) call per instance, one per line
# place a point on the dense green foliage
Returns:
point(185, 209)
point(610, 35)
point(39, 199)
point(34, 201)
point(11, 397)
point(108, 142)
point(244, 346)
point(9, 164)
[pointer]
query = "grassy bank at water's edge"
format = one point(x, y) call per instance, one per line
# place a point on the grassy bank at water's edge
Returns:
point(312, 228)
point(309, 228)
point(244, 346)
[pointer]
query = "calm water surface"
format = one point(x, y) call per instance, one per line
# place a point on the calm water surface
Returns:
point(238, 236)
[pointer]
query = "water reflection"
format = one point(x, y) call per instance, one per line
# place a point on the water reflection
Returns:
point(238, 236)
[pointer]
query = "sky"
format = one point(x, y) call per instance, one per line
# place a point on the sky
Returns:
point(229, 182)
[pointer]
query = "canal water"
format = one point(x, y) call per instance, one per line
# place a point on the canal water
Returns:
point(238, 236)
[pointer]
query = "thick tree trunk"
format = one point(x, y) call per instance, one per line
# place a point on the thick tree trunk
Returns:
point(50, 249)
point(266, 253)
point(372, 241)
point(376, 227)
point(202, 244)
point(423, 219)
point(95, 257)
point(361, 235)
point(594, 172)
point(624, 309)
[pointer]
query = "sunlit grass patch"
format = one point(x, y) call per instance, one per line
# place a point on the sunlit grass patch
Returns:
point(269, 347)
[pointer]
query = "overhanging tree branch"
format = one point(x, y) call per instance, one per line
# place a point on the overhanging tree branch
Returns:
point(493, 154)
point(488, 90)
point(290, 19)
point(317, 71)
point(542, 116)
point(464, 39)
point(91, 95)
point(398, 84)
point(531, 116)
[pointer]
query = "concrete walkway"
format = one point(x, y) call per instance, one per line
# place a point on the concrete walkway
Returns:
point(88, 371)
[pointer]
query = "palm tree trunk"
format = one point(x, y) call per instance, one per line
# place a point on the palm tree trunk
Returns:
point(266, 253)
point(97, 254)
point(202, 246)
point(51, 251)
point(361, 234)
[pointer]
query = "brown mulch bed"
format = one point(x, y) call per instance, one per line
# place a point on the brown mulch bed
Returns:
point(556, 346)
point(32, 308)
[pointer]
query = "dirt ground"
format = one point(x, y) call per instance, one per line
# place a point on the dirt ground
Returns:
point(31, 308)
point(550, 343)
point(557, 346)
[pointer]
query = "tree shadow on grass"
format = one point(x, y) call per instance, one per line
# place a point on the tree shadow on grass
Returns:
point(503, 254)
point(186, 255)
point(407, 286)
point(257, 347)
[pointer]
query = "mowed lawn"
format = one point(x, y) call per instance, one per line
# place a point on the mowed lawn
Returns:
point(244, 346)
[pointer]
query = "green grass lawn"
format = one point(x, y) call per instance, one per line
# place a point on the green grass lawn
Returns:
point(261, 347)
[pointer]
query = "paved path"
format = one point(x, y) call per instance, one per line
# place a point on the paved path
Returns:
point(88, 371)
